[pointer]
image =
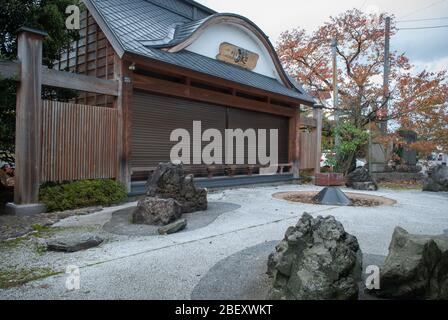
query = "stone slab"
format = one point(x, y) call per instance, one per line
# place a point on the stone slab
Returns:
point(25, 209)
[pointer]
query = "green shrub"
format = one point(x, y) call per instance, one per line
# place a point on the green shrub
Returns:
point(80, 194)
point(305, 176)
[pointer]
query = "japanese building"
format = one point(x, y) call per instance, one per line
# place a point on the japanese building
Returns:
point(144, 68)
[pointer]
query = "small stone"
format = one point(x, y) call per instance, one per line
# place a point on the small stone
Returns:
point(370, 186)
point(73, 243)
point(174, 227)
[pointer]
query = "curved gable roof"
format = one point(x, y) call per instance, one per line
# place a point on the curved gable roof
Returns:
point(150, 29)
point(185, 34)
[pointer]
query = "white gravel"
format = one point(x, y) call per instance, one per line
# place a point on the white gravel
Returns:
point(169, 267)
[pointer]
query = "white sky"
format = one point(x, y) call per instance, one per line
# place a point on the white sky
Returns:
point(426, 48)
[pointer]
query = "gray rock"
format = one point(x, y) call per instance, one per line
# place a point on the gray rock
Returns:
point(174, 227)
point(415, 268)
point(75, 242)
point(437, 179)
point(370, 186)
point(156, 211)
point(360, 175)
point(169, 181)
point(316, 260)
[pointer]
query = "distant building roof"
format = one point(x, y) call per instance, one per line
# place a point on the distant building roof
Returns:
point(144, 26)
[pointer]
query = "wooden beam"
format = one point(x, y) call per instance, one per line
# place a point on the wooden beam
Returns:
point(63, 79)
point(163, 67)
point(180, 90)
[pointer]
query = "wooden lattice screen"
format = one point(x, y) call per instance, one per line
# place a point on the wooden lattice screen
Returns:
point(78, 142)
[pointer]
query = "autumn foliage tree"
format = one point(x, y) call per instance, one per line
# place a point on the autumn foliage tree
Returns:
point(415, 102)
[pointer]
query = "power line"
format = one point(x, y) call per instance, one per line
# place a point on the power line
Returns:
point(363, 4)
point(424, 8)
point(427, 19)
point(419, 28)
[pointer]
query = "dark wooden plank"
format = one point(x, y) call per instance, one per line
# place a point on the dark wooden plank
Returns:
point(62, 79)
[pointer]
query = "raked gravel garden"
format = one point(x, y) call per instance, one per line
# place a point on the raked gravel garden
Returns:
point(128, 266)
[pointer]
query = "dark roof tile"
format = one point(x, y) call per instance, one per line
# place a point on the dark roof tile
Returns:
point(135, 21)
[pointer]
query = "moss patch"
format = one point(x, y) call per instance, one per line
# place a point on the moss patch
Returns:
point(403, 185)
point(16, 277)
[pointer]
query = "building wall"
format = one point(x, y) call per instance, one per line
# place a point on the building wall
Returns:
point(209, 41)
point(91, 55)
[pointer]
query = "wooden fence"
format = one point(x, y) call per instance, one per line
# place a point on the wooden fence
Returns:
point(308, 142)
point(78, 142)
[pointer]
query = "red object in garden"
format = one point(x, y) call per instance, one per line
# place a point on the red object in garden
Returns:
point(329, 179)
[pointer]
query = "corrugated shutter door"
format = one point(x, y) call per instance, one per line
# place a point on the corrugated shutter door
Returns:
point(245, 119)
point(155, 117)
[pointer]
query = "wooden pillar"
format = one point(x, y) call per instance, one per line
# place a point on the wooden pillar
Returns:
point(124, 74)
point(317, 115)
point(294, 142)
point(28, 108)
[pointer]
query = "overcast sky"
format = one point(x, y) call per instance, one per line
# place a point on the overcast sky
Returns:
point(427, 48)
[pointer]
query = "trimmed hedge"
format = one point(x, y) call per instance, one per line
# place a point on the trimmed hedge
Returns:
point(80, 194)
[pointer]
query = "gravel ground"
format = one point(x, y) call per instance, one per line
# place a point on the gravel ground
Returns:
point(250, 281)
point(121, 221)
point(171, 267)
point(12, 226)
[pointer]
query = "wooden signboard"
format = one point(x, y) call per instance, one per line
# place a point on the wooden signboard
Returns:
point(235, 55)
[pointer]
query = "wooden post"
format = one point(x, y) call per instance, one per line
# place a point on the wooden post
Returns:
point(334, 45)
point(27, 153)
point(294, 142)
point(383, 123)
point(124, 74)
point(317, 115)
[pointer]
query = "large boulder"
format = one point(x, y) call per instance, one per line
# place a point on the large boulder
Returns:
point(437, 179)
point(157, 211)
point(316, 260)
point(361, 179)
point(170, 181)
point(415, 268)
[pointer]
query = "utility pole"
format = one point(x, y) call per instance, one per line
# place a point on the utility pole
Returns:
point(335, 90)
point(383, 123)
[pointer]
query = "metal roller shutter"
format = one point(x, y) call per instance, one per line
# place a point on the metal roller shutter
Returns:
point(155, 117)
point(245, 119)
